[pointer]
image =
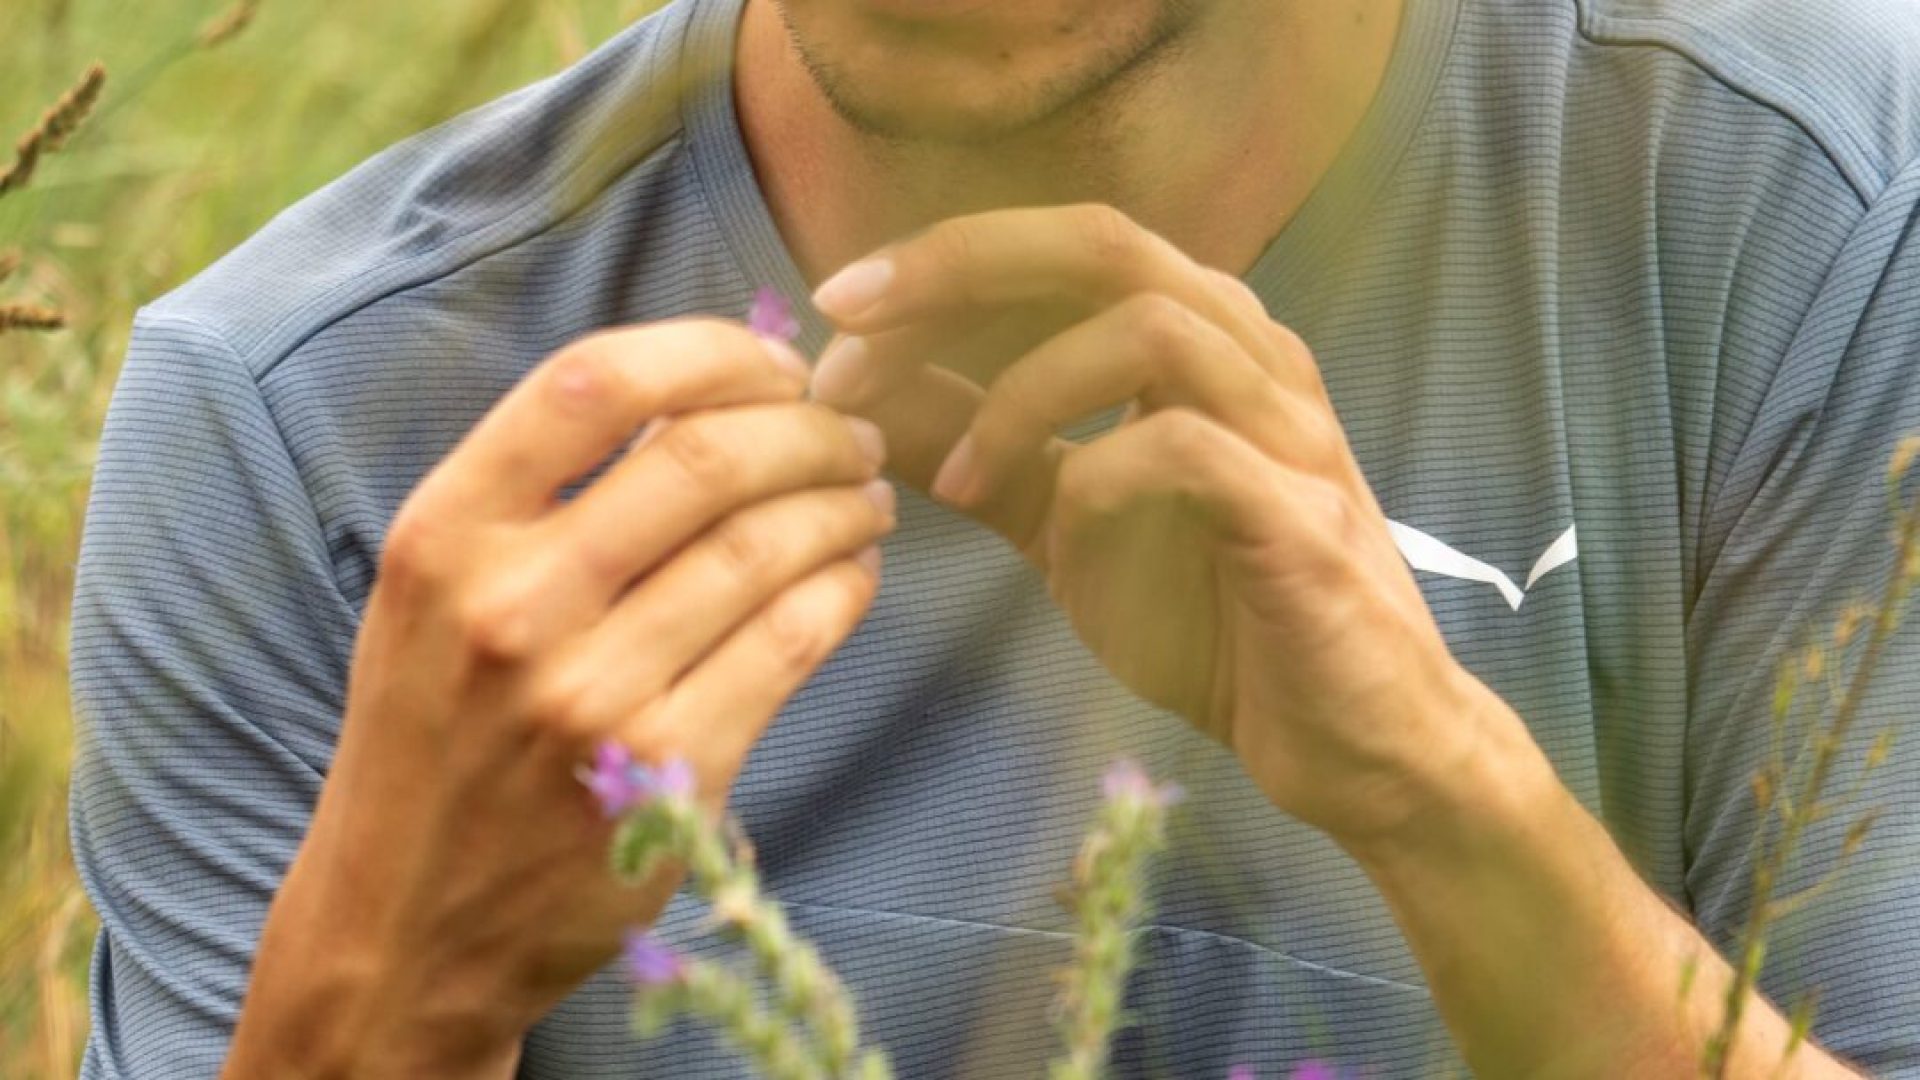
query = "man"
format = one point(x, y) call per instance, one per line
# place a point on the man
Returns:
point(1617, 292)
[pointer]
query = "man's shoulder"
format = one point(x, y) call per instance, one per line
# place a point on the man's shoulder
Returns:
point(1845, 72)
point(479, 188)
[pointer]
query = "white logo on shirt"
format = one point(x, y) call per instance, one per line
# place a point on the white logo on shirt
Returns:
point(1424, 552)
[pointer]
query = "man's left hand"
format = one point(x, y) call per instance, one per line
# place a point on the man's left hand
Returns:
point(1219, 550)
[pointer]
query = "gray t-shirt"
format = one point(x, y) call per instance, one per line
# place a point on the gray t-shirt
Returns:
point(1622, 283)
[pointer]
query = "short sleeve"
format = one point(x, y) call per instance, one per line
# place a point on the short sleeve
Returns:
point(1802, 525)
point(208, 657)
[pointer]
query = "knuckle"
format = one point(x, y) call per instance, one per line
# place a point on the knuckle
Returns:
point(1082, 497)
point(1291, 344)
point(1071, 488)
point(1011, 413)
point(952, 243)
point(600, 557)
point(562, 702)
point(497, 624)
point(1110, 236)
point(1184, 435)
point(1237, 290)
point(606, 560)
point(701, 457)
point(1163, 325)
point(1321, 434)
point(1315, 437)
point(1341, 516)
point(745, 553)
point(585, 372)
point(409, 556)
point(952, 248)
point(1298, 360)
point(793, 635)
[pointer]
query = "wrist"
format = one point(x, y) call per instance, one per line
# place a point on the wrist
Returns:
point(1486, 794)
point(337, 990)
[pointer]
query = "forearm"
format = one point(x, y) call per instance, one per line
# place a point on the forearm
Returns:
point(331, 996)
point(349, 981)
point(1546, 953)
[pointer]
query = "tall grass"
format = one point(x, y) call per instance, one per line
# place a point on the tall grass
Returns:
point(216, 114)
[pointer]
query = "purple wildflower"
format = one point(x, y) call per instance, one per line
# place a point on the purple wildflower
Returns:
point(650, 962)
point(1127, 780)
point(617, 782)
point(772, 316)
point(1315, 1070)
point(673, 780)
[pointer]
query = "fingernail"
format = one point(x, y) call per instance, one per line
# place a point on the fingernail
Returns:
point(869, 558)
point(854, 289)
point(873, 444)
point(786, 357)
point(881, 495)
point(841, 375)
point(958, 480)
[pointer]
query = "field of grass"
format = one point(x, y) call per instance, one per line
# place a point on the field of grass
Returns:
point(192, 147)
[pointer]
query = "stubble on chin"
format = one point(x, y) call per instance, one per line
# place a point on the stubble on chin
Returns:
point(1012, 105)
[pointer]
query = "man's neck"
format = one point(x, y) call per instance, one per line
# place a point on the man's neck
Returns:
point(1214, 147)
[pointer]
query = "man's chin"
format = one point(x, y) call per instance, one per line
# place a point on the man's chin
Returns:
point(932, 119)
point(975, 82)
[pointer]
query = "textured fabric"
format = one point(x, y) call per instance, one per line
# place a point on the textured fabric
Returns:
point(1642, 269)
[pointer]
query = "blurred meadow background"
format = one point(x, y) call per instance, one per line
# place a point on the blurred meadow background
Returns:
point(214, 116)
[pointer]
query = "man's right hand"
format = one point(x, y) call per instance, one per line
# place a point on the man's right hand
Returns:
point(454, 885)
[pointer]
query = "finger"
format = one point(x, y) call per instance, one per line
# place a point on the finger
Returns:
point(697, 471)
point(666, 623)
point(856, 370)
point(1238, 494)
point(1091, 254)
point(1148, 347)
point(587, 400)
point(924, 412)
point(920, 409)
point(855, 367)
point(718, 711)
